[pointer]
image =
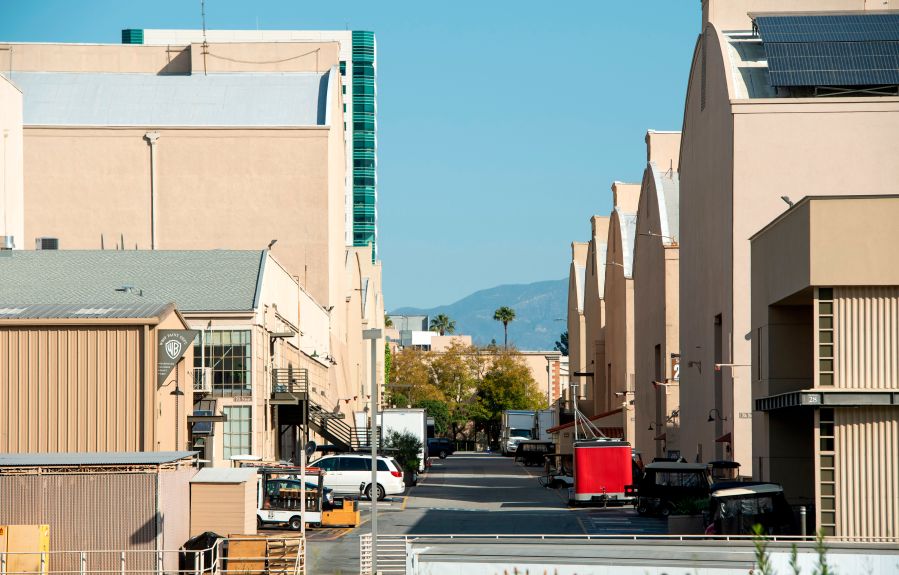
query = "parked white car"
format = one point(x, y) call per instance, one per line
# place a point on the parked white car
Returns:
point(347, 471)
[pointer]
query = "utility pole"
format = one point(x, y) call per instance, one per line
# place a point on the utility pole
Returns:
point(374, 335)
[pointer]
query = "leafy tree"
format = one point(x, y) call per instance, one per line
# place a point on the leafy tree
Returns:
point(387, 321)
point(439, 411)
point(388, 360)
point(443, 325)
point(562, 344)
point(410, 374)
point(505, 315)
point(507, 384)
point(456, 372)
point(406, 448)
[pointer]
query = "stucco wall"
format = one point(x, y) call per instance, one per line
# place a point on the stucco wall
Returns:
point(235, 189)
point(619, 306)
point(706, 160)
point(656, 317)
point(594, 310)
point(11, 179)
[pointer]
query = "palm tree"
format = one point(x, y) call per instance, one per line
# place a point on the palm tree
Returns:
point(505, 315)
point(443, 325)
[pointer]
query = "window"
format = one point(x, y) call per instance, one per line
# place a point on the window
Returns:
point(825, 337)
point(354, 464)
point(326, 464)
point(229, 354)
point(827, 471)
point(238, 430)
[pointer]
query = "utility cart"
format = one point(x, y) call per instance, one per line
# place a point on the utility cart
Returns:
point(280, 492)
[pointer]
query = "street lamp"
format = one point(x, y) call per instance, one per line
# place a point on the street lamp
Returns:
point(374, 335)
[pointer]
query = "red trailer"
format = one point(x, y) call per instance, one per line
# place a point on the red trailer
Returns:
point(602, 469)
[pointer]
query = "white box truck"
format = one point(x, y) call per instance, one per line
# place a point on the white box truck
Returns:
point(402, 420)
point(518, 425)
point(543, 420)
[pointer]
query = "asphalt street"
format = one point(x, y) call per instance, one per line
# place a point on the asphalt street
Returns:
point(472, 493)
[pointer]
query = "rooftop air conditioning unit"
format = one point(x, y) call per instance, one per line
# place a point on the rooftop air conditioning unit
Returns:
point(46, 243)
point(203, 379)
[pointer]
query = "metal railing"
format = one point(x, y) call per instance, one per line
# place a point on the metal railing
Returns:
point(290, 380)
point(392, 550)
point(282, 556)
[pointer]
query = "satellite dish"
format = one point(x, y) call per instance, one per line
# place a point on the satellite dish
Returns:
point(309, 448)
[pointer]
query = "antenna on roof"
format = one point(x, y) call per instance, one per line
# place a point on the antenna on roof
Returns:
point(205, 44)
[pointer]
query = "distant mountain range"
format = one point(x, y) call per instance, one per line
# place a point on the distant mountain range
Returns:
point(540, 311)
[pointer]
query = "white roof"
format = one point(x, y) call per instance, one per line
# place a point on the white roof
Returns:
point(224, 475)
point(114, 99)
point(749, 490)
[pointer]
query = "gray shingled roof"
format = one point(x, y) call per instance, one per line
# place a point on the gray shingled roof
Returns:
point(216, 280)
point(92, 459)
point(78, 311)
point(111, 99)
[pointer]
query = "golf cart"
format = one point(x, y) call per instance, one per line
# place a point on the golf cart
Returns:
point(736, 508)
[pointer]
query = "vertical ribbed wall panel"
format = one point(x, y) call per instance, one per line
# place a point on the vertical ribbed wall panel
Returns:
point(86, 512)
point(70, 389)
point(867, 471)
point(866, 334)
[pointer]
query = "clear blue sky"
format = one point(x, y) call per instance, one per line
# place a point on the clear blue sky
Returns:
point(501, 124)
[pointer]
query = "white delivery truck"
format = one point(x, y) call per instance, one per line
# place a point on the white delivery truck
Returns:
point(518, 425)
point(544, 419)
point(413, 421)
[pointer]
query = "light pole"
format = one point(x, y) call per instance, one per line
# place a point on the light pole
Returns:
point(374, 335)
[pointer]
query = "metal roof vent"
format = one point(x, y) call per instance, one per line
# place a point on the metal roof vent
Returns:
point(46, 243)
point(7, 243)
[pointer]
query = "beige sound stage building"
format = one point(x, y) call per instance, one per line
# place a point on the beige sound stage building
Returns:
point(656, 302)
point(825, 325)
point(755, 130)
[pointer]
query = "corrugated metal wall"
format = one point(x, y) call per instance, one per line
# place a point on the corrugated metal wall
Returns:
point(85, 511)
point(866, 334)
point(70, 389)
point(867, 471)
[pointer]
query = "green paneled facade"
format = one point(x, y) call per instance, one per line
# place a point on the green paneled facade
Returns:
point(364, 131)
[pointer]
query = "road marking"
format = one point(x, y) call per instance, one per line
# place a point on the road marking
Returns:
point(405, 501)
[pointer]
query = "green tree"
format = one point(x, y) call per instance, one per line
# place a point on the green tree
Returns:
point(410, 375)
point(387, 321)
point(406, 448)
point(456, 372)
point(443, 325)
point(507, 384)
point(439, 411)
point(505, 315)
point(562, 344)
point(388, 360)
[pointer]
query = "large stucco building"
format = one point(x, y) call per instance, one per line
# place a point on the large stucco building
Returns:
point(358, 68)
point(825, 325)
point(197, 147)
point(656, 301)
point(749, 138)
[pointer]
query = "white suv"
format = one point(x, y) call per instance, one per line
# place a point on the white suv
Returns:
point(347, 471)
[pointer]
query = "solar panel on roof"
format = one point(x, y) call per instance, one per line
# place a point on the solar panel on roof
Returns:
point(829, 28)
point(831, 50)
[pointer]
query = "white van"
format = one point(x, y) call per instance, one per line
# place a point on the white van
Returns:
point(347, 471)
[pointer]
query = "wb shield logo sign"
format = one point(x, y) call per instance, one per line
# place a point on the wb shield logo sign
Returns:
point(173, 349)
point(172, 345)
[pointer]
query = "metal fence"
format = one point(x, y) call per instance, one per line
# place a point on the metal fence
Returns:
point(281, 556)
point(392, 550)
